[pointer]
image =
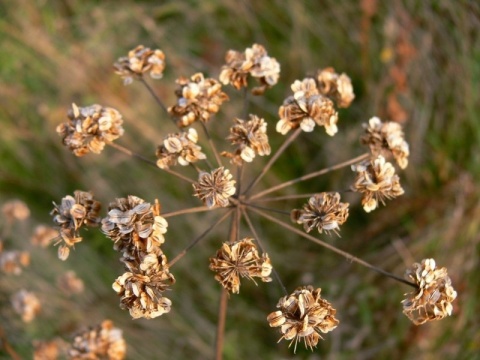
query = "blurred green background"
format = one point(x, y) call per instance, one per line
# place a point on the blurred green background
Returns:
point(412, 61)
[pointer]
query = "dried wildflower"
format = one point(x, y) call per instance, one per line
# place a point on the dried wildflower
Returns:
point(324, 211)
point(251, 138)
point(15, 210)
point(198, 99)
point(134, 225)
point(43, 235)
point(70, 283)
point(74, 212)
point(303, 314)
point(139, 61)
point(240, 259)
point(48, 350)
point(179, 148)
point(386, 138)
point(306, 108)
point(88, 128)
point(215, 188)
point(337, 87)
point(432, 300)
point(377, 181)
point(103, 341)
point(26, 304)
point(11, 262)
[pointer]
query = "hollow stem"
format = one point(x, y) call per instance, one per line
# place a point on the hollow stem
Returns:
point(222, 318)
point(186, 211)
point(212, 145)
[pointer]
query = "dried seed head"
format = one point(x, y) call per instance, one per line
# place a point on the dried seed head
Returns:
point(377, 181)
point(139, 61)
point(303, 315)
point(386, 138)
point(103, 341)
point(215, 188)
point(70, 283)
point(251, 139)
point(88, 128)
point(240, 259)
point(198, 99)
point(324, 211)
point(47, 350)
point(43, 236)
point(306, 108)
point(15, 210)
point(12, 262)
point(180, 148)
point(337, 87)
point(434, 296)
point(26, 304)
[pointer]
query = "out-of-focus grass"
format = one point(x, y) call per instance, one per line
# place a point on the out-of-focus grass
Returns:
point(425, 54)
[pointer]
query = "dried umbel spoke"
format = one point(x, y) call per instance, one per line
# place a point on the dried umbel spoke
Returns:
point(386, 138)
point(255, 62)
point(180, 148)
point(103, 341)
point(377, 181)
point(12, 262)
point(337, 87)
point(303, 315)
point(240, 259)
point(26, 304)
point(198, 99)
point(15, 210)
point(139, 61)
point(215, 188)
point(306, 108)
point(70, 283)
point(433, 298)
point(43, 236)
point(88, 128)
point(324, 211)
point(251, 139)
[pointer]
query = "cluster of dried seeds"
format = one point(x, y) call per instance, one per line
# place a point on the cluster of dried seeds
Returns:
point(180, 148)
point(139, 61)
point(215, 188)
point(335, 86)
point(26, 304)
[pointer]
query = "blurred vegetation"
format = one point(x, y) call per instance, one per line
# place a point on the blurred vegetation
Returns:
point(413, 61)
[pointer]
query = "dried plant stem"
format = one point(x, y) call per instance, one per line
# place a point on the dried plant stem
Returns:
point(212, 145)
point(267, 209)
point(158, 100)
point(349, 256)
point(6, 345)
point(186, 211)
point(274, 158)
point(311, 175)
point(222, 317)
point(246, 102)
point(286, 197)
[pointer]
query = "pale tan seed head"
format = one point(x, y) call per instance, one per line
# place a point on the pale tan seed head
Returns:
point(15, 210)
point(337, 87)
point(180, 148)
point(140, 61)
point(26, 304)
point(215, 188)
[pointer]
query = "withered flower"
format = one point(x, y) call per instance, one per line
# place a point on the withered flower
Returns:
point(47, 350)
point(324, 211)
point(180, 148)
point(43, 236)
point(26, 304)
point(240, 259)
point(251, 138)
point(103, 341)
point(70, 283)
point(11, 262)
point(306, 108)
point(139, 61)
point(15, 210)
point(337, 87)
point(88, 128)
point(433, 298)
point(386, 138)
point(303, 315)
point(198, 99)
point(377, 181)
point(215, 188)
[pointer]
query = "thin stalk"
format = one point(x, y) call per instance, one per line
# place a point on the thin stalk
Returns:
point(311, 175)
point(212, 145)
point(158, 100)
point(274, 158)
point(267, 209)
point(349, 256)
point(186, 211)
point(246, 101)
point(286, 197)
point(222, 318)
point(6, 345)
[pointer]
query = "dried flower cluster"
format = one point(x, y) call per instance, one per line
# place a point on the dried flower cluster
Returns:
point(335, 86)
point(89, 128)
point(434, 296)
point(12, 262)
point(47, 350)
point(26, 304)
point(70, 283)
point(180, 148)
point(139, 61)
point(240, 259)
point(15, 210)
point(43, 236)
point(215, 188)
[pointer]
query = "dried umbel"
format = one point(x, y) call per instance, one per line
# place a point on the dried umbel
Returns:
point(43, 236)
point(89, 128)
point(180, 148)
point(139, 61)
point(12, 262)
point(47, 350)
point(255, 62)
point(74, 212)
point(215, 188)
point(240, 259)
point(70, 283)
point(432, 300)
point(26, 304)
point(337, 87)
point(103, 341)
point(306, 108)
point(198, 99)
point(15, 210)
point(251, 139)
point(323, 211)
point(303, 315)
point(376, 181)
point(386, 138)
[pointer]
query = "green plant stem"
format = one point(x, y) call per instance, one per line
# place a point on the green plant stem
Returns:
point(186, 211)
point(349, 256)
point(212, 145)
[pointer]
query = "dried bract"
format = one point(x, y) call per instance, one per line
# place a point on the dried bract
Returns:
point(12, 262)
point(89, 128)
point(337, 87)
point(303, 315)
point(240, 259)
point(180, 148)
point(139, 61)
point(377, 181)
point(43, 236)
point(324, 211)
point(70, 283)
point(15, 210)
point(215, 188)
point(432, 300)
point(26, 304)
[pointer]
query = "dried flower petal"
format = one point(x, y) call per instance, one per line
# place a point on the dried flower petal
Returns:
point(180, 148)
point(215, 188)
point(26, 304)
point(139, 61)
point(15, 210)
point(337, 87)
